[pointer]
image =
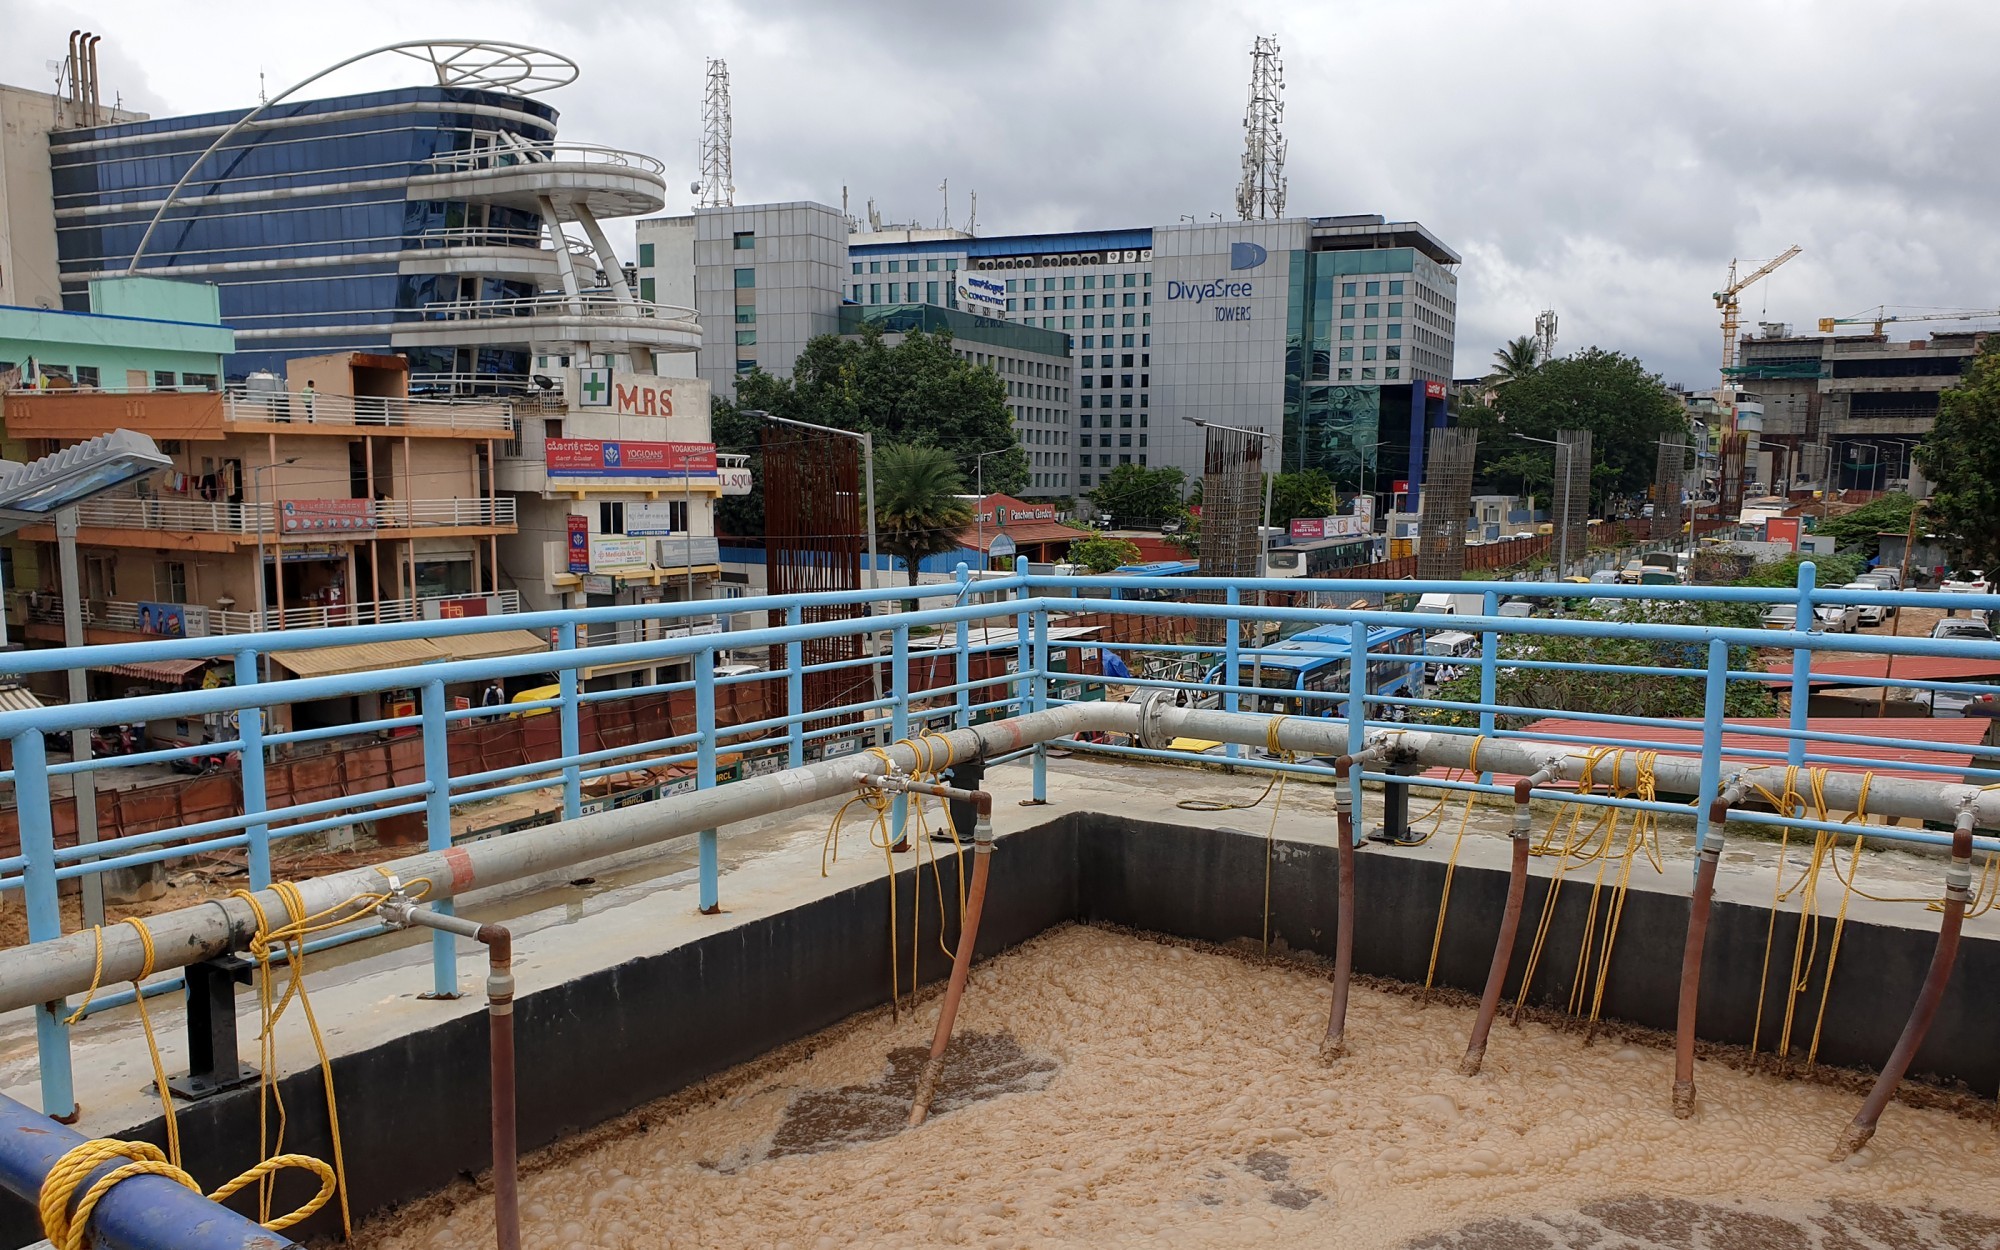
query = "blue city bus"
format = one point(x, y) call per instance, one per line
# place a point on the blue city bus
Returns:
point(1315, 661)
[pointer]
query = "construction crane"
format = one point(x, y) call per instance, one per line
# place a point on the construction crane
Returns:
point(1882, 316)
point(1725, 299)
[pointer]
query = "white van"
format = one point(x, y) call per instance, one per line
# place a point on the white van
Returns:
point(1452, 605)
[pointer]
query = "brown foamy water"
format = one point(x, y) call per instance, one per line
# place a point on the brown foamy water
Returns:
point(1111, 1091)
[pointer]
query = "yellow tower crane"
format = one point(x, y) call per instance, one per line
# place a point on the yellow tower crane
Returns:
point(1725, 299)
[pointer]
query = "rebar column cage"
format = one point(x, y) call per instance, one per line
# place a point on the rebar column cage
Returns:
point(813, 540)
point(1445, 502)
point(1669, 471)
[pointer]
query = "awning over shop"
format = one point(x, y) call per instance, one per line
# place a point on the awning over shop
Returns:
point(491, 645)
point(166, 672)
point(18, 699)
point(359, 658)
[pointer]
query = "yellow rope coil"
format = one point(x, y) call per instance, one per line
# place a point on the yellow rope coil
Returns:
point(69, 1230)
point(1451, 864)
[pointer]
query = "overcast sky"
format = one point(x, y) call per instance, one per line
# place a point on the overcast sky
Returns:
point(1605, 159)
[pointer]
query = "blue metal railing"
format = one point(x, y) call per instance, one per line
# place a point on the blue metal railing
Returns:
point(1023, 676)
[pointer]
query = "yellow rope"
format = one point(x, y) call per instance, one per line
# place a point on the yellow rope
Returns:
point(1581, 850)
point(1271, 834)
point(69, 1230)
point(1451, 864)
point(1644, 835)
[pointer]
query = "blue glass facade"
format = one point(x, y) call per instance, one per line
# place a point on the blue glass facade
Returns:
point(1331, 423)
point(305, 220)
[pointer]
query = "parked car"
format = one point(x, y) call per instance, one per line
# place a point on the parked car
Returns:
point(1837, 618)
point(1871, 613)
point(1779, 616)
point(1963, 627)
point(1517, 608)
point(1948, 703)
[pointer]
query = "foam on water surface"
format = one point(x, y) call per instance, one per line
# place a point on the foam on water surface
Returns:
point(1112, 1091)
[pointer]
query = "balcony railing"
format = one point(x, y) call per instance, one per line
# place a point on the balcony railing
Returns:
point(297, 408)
point(528, 154)
point(195, 516)
point(44, 608)
point(594, 303)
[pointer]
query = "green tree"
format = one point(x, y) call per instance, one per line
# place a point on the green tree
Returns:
point(1652, 694)
point(916, 391)
point(1102, 554)
point(1962, 455)
point(1626, 409)
point(1140, 496)
point(918, 511)
point(1833, 570)
point(1859, 531)
point(1307, 494)
point(1515, 359)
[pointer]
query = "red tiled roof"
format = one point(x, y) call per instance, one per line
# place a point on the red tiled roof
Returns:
point(1024, 533)
point(1679, 739)
point(1912, 667)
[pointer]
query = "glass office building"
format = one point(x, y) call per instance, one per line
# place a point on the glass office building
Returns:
point(317, 224)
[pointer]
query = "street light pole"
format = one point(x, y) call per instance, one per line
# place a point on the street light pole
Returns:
point(83, 785)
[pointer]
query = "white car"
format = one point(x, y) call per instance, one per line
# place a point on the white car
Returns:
point(1871, 613)
point(1837, 618)
point(1963, 627)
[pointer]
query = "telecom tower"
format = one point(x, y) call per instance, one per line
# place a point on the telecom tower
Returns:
point(1545, 336)
point(717, 187)
point(1261, 194)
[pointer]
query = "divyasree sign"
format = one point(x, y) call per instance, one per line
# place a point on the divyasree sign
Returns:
point(585, 457)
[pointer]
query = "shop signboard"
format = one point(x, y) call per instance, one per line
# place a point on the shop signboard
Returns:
point(579, 543)
point(589, 457)
point(320, 518)
point(612, 552)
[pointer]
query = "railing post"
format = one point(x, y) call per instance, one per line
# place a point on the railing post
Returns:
point(964, 668)
point(1357, 689)
point(1795, 746)
point(1489, 673)
point(572, 733)
point(710, 866)
point(795, 692)
point(899, 717)
point(38, 845)
point(437, 831)
point(1041, 689)
point(256, 798)
point(1023, 651)
point(1231, 661)
point(1713, 697)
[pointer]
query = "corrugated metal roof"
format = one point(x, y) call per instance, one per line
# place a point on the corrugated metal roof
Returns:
point(1677, 739)
point(18, 699)
point(487, 646)
point(167, 672)
point(1912, 667)
point(359, 658)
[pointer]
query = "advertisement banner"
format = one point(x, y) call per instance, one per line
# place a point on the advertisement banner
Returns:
point(735, 481)
point(649, 520)
point(319, 518)
point(459, 609)
point(579, 544)
point(586, 457)
point(1433, 389)
point(1782, 529)
point(1308, 528)
point(978, 293)
point(609, 553)
point(164, 620)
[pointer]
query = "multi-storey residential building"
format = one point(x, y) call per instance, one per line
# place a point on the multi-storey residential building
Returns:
point(1334, 334)
point(329, 497)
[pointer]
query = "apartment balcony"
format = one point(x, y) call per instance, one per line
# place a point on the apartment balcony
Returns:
point(600, 321)
point(195, 525)
point(665, 560)
point(40, 610)
point(605, 182)
point(209, 415)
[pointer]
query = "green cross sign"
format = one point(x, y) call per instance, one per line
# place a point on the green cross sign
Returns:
point(596, 387)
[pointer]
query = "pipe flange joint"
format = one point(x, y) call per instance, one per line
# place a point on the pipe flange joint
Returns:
point(1152, 719)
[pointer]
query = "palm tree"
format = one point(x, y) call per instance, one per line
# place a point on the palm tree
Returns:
point(917, 509)
point(1519, 358)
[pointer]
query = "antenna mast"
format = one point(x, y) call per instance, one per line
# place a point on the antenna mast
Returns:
point(1261, 194)
point(1545, 335)
point(718, 180)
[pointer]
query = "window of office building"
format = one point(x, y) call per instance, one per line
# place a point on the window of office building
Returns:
point(951, 264)
point(1069, 282)
point(746, 314)
point(1393, 372)
point(745, 278)
point(1069, 323)
point(1396, 287)
point(645, 256)
point(1396, 331)
point(646, 289)
point(1368, 353)
point(1048, 323)
point(1374, 288)
point(1086, 417)
point(745, 364)
point(1347, 332)
point(1369, 332)
point(874, 266)
point(1396, 310)
point(1084, 479)
point(1371, 310)
point(1069, 301)
point(1347, 290)
point(1347, 312)
point(746, 338)
point(1347, 353)
point(1048, 303)
point(746, 240)
point(1010, 306)
point(1344, 375)
point(930, 265)
point(1367, 374)
point(1394, 353)
point(875, 294)
point(857, 266)
point(895, 266)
